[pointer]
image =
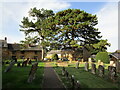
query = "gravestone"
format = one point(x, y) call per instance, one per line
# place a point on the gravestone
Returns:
point(77, 64)
point(10, 66)
point(112, 73)
point(63, 71)
point(77, 85)
point(32, 72)
point(118, 66)
point(3, 63)
point(72, 81)
point(101, 70)
point(18, 64)
point(66, 74)
point(30, 62)
point(110, 68)
point(25, 63)
point(93, 68)
point(86, 66)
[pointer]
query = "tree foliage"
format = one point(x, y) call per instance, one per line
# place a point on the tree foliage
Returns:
point(73, 26)
point(103, 56)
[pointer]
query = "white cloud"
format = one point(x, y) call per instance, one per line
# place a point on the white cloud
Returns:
point(13, 11)
point(108, 24)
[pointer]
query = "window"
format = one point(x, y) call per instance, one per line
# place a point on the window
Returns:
point(35, 52)
point(22, 52)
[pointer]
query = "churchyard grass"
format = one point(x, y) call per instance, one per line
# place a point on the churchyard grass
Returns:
point(17, 77)
point(87, 79)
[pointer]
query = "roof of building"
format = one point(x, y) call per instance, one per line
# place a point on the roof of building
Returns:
point(15, 47)
point(116, 54)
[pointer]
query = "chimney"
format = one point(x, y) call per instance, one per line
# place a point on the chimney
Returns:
point(5, 38)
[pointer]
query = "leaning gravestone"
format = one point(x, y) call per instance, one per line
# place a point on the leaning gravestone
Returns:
point(32, 72)
point(101, 70)
point(86, 66)
point(93, 68)
point(112, 73)
point(10, 66)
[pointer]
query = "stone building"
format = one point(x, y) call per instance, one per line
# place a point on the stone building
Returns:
point(10, 51)
point(115, 57)
point(66, 53)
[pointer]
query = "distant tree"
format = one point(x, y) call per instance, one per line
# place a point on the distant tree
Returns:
point(35, 24)
point(103, 56)
point(100, 46)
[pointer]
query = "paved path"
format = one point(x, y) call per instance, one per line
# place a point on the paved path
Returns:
point(50, 78)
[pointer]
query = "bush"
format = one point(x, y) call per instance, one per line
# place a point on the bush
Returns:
point(103, 56)
point(55, 57)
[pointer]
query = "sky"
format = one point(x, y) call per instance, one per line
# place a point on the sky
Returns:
point(13, 12)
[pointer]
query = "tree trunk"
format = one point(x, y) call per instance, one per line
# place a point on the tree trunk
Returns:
point(42, 53)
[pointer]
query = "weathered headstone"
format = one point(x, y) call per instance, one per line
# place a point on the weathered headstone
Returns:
point(118, 66)
point(30, 62)
point(72, 81)
point(112, 73)
point(77, 64)
point(24, 63)
point(10, 66)
point(77, 85)
point(110, 68)
point(18, 64)
point(32, 72)
point(63, 71)
point(86, 66)
point(101, 70)
point(66, 74)
point(93, 68)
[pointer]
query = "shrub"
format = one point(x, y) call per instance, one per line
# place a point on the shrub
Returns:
point(103, 56)
point(55, 57)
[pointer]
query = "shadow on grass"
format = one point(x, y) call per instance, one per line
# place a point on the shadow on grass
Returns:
point(87, 79)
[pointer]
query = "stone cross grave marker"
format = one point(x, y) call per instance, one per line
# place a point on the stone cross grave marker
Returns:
point(93, 68)
point(10, 66)
point(101, 70)
point(86, 66)
point(32, 72)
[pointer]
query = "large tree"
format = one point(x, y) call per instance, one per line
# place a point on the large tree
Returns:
point(35, 24)
point(74, 27)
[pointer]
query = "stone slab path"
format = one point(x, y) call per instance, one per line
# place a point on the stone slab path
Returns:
point(51, 80)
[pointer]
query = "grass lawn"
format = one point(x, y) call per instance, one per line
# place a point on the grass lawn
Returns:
point(17, 77)
point(87, 79)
